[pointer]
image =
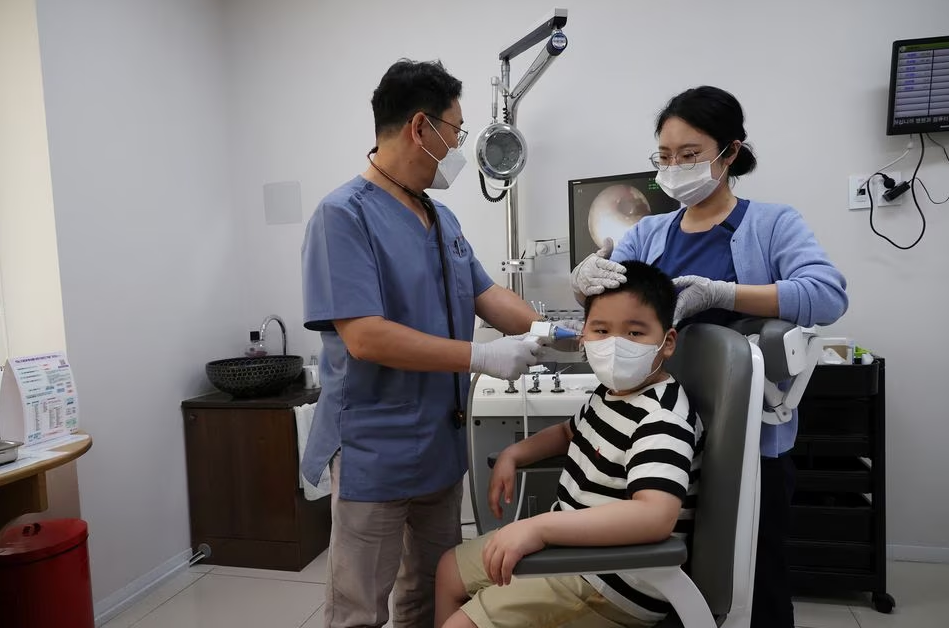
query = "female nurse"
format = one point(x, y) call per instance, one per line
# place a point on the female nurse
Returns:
point(732, 258)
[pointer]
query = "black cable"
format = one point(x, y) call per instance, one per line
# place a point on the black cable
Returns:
point(944, 151)
point(484, 190)
point(920, 181)
point(922, 232)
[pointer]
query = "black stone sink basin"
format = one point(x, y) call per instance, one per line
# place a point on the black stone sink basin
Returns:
point(254, 377)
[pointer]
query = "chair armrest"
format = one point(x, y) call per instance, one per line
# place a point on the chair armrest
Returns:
point(584, 560)
point(554, 463)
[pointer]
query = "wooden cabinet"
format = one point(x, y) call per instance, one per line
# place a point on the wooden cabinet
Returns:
point(837, 539)
point(243, 482)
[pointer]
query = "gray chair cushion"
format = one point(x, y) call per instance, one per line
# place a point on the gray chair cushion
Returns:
point(771, 333)
point(714, 366)
point(669, 553)
point(554, 463)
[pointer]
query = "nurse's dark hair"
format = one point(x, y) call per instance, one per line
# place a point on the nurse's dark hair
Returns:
point(408, 87)
point(717, 113)
point(652, 286)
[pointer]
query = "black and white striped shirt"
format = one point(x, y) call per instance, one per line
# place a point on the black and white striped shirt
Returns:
point(649, 440)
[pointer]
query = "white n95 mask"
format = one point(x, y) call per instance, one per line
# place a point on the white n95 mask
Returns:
point(621, 364)
point(689, 186)
point(448, 167)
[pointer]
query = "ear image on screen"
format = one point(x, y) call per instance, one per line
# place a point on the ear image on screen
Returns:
point(608, 207)
point(614, 211)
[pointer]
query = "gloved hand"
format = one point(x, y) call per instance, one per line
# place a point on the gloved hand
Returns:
point(504, 358)
point(597, 273)
point(697, 294)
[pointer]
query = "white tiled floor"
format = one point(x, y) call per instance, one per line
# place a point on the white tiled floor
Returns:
point(227, 597)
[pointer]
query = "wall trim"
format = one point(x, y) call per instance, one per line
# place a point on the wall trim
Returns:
point(126, 597)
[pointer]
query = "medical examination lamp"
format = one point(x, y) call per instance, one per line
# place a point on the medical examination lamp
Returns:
point(501, 150)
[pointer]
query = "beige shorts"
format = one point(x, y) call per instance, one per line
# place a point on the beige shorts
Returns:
point(535, 602)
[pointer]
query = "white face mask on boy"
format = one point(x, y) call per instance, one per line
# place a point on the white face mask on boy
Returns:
point(622, 364)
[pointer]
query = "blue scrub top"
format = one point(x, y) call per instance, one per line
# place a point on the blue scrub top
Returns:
point(367, 254)
point(706, 254)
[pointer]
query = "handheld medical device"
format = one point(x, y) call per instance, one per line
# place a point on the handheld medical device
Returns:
point(544, 330)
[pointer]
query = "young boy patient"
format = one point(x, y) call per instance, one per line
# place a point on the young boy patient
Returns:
point(634, 455)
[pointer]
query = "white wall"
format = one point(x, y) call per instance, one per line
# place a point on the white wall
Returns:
point(812, 77)
point(149, 253)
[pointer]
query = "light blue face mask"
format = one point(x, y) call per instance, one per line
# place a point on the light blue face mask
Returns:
point(449, 166)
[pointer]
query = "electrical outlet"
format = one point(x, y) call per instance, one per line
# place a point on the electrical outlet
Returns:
point(857, 197)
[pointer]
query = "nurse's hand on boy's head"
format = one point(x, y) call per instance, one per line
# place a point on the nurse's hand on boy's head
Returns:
point(597, 273)
point(508, 546)
point(697, 294)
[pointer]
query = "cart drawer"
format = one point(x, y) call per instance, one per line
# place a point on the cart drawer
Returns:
point(835, 417)
point(849, 556)
point(836, 475)
point(844, 380)
point(831, 446)
point(831, 517)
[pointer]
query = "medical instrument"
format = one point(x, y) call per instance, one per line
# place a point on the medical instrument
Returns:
point(497, 421)
point(501, 150)
point(546, 331)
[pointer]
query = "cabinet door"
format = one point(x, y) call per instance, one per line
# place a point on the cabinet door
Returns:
point(242, 473)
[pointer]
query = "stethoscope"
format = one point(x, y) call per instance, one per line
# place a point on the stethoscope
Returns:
point(458, 416)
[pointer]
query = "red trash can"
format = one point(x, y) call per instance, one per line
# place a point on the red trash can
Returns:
point(44, 575)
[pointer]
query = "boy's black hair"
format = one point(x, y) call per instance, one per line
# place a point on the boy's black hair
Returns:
point(408, 87)
point(653, 287)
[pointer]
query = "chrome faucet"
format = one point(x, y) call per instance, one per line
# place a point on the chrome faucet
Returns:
point(283, 329)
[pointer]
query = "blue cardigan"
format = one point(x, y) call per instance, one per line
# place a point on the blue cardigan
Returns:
point(771, 245)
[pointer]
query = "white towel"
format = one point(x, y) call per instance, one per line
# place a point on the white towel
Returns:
point(304, 416)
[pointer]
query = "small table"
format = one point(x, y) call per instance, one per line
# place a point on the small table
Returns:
point(23, 490)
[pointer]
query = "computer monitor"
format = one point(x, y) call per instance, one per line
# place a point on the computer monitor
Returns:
point(919, 86)
point(604, 207)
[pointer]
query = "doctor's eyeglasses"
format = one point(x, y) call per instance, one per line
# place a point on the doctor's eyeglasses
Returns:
point(460, 133)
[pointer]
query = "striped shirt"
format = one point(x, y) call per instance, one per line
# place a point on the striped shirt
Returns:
point(648, 440)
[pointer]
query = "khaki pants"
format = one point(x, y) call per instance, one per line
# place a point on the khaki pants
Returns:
point(562, 601)
point(376, 544)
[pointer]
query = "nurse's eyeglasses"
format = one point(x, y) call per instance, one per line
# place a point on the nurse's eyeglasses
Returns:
point(461, 134)
point(685, 159)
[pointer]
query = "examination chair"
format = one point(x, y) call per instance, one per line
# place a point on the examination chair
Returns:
point(724, 376)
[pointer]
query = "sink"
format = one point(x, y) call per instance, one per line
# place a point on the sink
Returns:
point(254, 377)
